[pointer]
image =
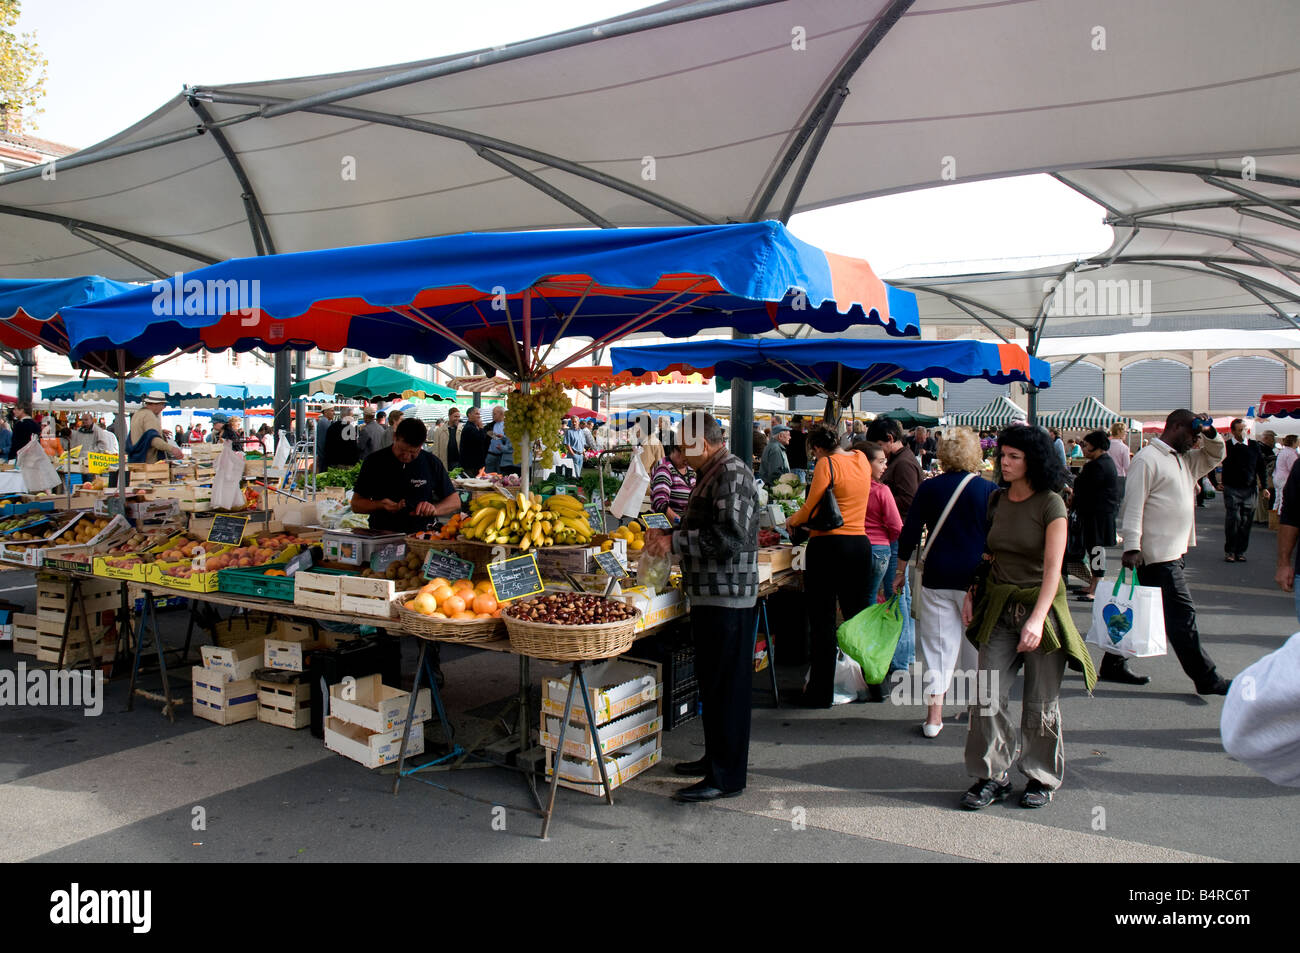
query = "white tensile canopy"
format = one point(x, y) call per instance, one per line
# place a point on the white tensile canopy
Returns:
point(684, 112)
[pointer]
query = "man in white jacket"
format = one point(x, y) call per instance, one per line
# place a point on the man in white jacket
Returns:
point(1157, 523)
point(1261, 716)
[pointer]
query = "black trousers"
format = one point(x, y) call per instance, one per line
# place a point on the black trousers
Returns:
point(837, 568)
point(1239, 517)
point(724, 669)
point(1180, 619)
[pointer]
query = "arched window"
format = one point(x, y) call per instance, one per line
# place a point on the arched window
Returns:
point(1239, 382)
point(1156, 384)
point(1071, 385)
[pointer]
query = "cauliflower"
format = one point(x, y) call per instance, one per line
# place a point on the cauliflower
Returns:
point(782, 491)
point(788, 478)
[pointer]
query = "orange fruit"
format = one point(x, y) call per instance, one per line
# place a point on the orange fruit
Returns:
point(485, 602)
point(484, 586)
point(483, 615)
point(464, 616)
point(437, 615)
point(442, 593)
point(452, 605)
point(423, 604)
point(439, 581)
point(462, 584)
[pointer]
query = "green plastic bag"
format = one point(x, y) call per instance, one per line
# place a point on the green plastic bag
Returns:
point(871, 637)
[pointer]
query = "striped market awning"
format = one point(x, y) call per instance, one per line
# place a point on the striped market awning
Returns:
point(996, 413)
point(1087, 414)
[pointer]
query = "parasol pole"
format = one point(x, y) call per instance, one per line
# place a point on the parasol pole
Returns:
point(122, 434)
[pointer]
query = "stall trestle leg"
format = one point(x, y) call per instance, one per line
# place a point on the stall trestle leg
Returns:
point(771, 648)
point(577, 683)
point(424, 670)
point(148, 618)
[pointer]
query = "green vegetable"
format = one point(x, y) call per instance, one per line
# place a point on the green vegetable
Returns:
point(591, 478)
point(345, 477)
point(457, 473)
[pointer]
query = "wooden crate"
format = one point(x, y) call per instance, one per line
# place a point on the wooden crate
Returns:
point(285, 704)
point(24, 635)
point(231, 632)
point(47, 649)
point(364, 596)
point(219, 701)
point(318, 591)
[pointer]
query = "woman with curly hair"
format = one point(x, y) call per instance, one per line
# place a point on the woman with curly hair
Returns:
point(1021, 612)
point(837, 561)
point(949, 567)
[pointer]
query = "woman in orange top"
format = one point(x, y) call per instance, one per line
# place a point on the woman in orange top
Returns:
point(838, 562)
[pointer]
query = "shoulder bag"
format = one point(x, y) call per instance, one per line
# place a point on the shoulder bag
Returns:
point(923, 550)
point(826, 515)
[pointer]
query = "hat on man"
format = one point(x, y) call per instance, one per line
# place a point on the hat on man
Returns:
point(368, 413)
point(219, 418)
point(155, 397)
point(780, 428)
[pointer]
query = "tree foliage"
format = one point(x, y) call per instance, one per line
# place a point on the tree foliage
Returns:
point(22, 67)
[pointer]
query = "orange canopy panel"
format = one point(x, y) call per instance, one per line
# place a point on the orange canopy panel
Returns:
point(604, 376)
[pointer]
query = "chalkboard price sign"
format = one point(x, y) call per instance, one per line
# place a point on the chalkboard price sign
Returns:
point(227, 529)
point(515, 578)
point(440, 563)
point(610, 565)
point(385, 556)
point(655, 521)
point(595, 518)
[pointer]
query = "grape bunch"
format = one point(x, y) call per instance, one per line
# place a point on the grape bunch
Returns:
point(539, 414)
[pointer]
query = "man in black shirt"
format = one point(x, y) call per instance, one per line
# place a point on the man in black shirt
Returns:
point(1244, 476)
point(473, 443)
point(403, 486)
point(25, 429)
point(797, 450)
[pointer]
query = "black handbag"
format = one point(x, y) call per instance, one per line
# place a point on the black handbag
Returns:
point(827, 516)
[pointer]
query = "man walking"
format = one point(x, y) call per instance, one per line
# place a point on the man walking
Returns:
point(146, 443)
point(775, 462)
point(447, 441)
point(370, 436)
point(500, 451)
point(1244, 477)
point(1157, 524)
point(24, 429)
point(717, 543)
point(322, 429)
point(473, 443)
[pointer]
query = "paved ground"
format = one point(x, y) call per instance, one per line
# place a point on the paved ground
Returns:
point(1147, 778)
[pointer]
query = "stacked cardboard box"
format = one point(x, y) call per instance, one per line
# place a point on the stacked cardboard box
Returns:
point(625, 697)
point(367, 718)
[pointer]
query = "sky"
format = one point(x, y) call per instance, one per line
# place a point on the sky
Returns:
point(113, 63)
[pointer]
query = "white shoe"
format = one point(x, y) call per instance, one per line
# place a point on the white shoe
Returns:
point(931, 731)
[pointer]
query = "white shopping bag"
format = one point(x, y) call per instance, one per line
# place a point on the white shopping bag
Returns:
point(38, 472)
point(632, 492)
point(850, 686)
point(1129, 620)
point(229, 470)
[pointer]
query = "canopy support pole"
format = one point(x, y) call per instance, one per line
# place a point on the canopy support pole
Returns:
point(282, 387)
point(300, 405)
point(122, 434)
point(26, 363)
point(1033, 391)
point(742, 415)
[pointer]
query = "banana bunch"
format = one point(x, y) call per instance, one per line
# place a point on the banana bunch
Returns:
point(526, 522)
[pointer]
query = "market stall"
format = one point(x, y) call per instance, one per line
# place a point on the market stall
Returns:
point(996, 414)
point(599, 285)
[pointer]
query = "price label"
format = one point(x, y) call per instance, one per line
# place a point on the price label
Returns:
point(611, 565)
point(595, 518)
point(101, 462)
point(386, 556)
point(227, 529)
point(655, 521)
point(515, 578)
point(440, 563)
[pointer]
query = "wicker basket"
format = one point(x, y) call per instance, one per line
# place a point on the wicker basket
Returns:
point(447, 630)
point(571, 643)
point(421, 547)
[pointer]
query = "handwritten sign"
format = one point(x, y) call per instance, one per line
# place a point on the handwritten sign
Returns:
point(610, 565)
point(386, 555)
point(655, 521)
point(227, 529)
point(515, 578)
point(101, 462)
point(595, 518)
point(440, 563)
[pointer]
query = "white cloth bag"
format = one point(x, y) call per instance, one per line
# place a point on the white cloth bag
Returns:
point(1129, 621)
point(227, 473)
point(632, 492)
point(38, 472)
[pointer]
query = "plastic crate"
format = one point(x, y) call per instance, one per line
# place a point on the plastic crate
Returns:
point(682, 705)
point(253, 581)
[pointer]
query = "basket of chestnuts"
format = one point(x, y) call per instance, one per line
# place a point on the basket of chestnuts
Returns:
point(570, 626)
